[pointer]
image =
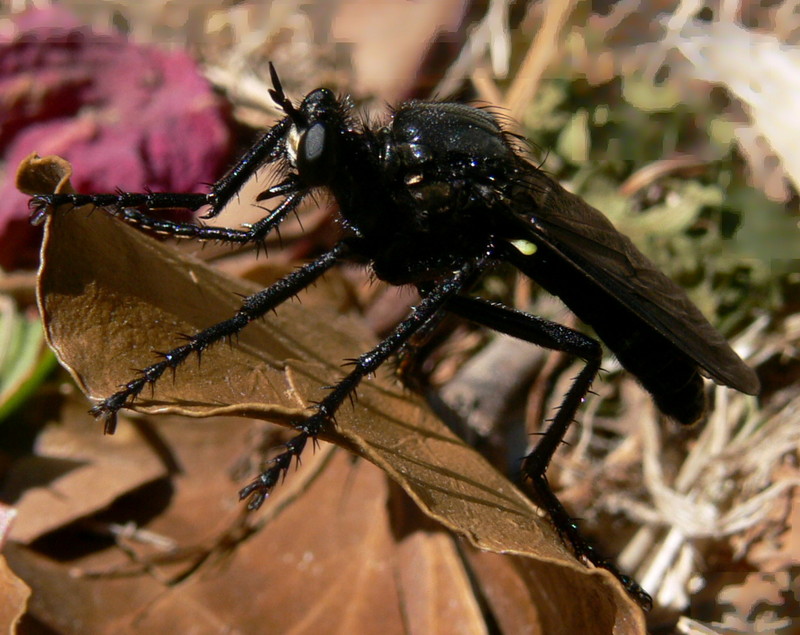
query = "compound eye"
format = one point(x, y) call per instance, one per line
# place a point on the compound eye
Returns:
point(312, 146)
point(314, 154)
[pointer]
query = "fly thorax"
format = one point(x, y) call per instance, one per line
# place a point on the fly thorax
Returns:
point(437, 157)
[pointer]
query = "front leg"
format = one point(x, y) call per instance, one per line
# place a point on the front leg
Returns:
point(127, 207)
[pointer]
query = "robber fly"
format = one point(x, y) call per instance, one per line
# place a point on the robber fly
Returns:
point(435, 197)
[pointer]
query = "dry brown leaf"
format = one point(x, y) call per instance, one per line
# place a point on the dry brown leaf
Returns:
point(110, 295)
point(325, 564)
point(71, 604)
point(519, 593)
point(14, 593)
point(326, 561)
point(75, 473)
point(188, 526)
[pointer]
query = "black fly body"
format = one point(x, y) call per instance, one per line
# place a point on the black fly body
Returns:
point(434, 198)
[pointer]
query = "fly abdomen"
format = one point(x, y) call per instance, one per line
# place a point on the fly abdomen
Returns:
point(669, 375)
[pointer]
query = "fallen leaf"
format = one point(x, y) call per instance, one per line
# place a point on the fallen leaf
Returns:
point(15, 594)
point(110, 295)
point(74, 473)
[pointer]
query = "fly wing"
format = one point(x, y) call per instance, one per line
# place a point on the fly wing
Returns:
point(587, 240)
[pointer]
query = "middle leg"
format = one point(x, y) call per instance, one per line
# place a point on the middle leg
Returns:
point(325, 410)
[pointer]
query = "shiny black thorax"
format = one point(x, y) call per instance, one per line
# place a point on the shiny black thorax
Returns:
point(423, 193)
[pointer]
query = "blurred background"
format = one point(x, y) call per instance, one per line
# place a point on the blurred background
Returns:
point(676, 119)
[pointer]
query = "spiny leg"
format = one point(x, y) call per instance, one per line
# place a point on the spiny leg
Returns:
point(253, 233)
point(266, 150)
point(127, 207)
point(325, 410)
point(534, 466)
point(253, 307)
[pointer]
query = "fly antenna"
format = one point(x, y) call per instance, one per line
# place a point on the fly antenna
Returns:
point(280, 98)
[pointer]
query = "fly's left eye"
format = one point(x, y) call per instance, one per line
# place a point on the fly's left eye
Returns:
point(312, 145)
point(315, 155)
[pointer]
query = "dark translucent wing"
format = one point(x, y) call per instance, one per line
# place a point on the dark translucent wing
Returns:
point(587, 240)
